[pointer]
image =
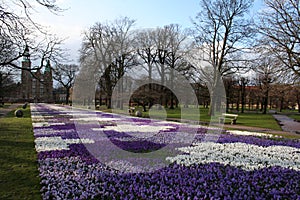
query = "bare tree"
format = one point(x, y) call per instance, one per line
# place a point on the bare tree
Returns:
point(106, 49)
point(230, 84)
point(296, 95)
point(280, 27)
point(65, 75)
point(18, 30)
point(175, 60)
point(171, 45)
point(243, 82)
point(222, 32)
point(265, 70)
point(144, 41)
point(146, 50)
point(6, 81)
point(162, 42)
point(161, 53)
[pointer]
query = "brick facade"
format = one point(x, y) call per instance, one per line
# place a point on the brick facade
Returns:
point(36, 86)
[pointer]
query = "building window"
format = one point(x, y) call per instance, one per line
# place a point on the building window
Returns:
point(33, 87)
point(42, 90)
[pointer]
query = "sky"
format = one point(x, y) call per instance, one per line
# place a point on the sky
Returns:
point(79, 15)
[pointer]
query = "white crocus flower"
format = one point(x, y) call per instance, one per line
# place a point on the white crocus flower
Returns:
point(248, 133)
point(134, 128)
point(57, 143)
point(50, 144)
point(46, 124)
point(245, 156)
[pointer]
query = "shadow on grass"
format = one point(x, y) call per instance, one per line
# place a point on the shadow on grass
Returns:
point(19, 177)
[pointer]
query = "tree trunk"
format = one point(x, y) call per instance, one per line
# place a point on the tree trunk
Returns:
point(172, 101)
point(211, 111)
point(265, 103)
point(144, 107)
point(227, 105)
point(238, 104)
point(100, 100)
point(281, 103)
point(243, 94)
point(67, 95)
point(108, 102)
point(243, 104)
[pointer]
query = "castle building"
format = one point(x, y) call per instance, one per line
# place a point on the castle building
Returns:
point(36, 86)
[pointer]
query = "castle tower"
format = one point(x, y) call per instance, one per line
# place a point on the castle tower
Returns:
point(36, 85)
point(26, 77)
point(48, 83)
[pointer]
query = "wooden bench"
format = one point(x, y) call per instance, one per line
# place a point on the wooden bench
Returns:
point(233, 118)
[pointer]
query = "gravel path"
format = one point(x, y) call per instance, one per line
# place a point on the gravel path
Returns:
point(288, 124)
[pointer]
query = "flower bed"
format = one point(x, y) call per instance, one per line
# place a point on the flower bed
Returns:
point(237, 166)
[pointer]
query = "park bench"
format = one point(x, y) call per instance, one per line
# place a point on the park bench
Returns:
point(232, 117)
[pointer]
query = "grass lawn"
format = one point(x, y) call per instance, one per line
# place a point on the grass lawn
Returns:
point(18, 164)
point(258, 120)
point(245, 119)
point(295, 116)
point(4, 106)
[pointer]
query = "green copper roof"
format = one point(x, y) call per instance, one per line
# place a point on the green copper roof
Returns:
point(47, 67)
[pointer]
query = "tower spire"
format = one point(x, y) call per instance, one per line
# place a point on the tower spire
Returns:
point(48, 67)
point(26, 54)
